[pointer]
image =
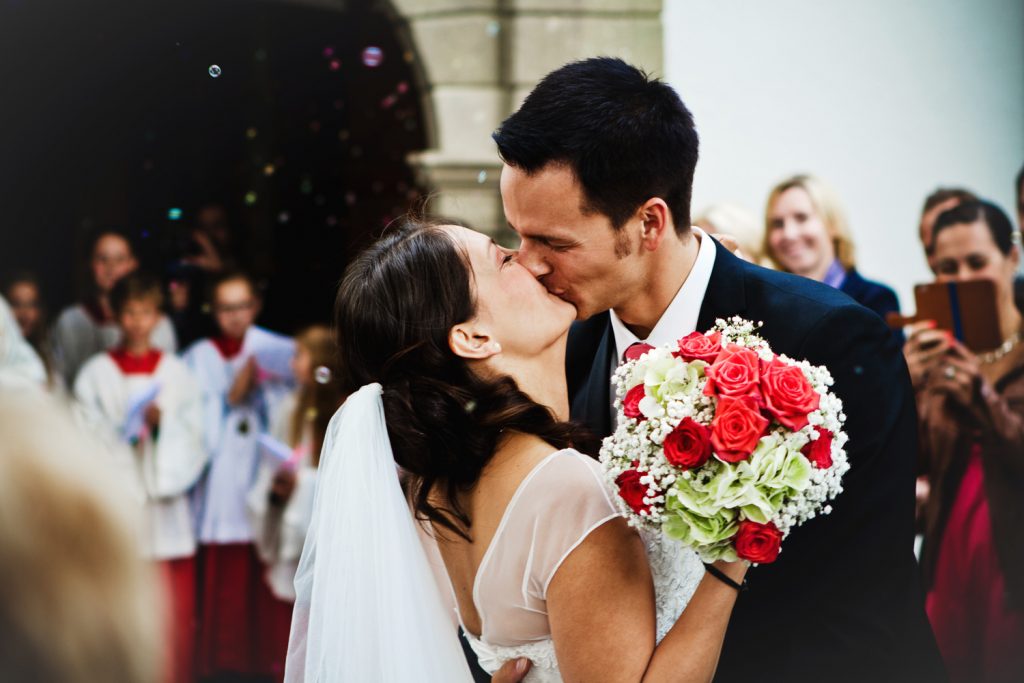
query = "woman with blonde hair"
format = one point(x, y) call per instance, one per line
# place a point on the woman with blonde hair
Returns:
point(806, 234)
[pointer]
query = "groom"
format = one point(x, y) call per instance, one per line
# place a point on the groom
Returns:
point(599, 164)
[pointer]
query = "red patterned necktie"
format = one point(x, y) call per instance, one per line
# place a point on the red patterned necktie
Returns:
point(636, 350)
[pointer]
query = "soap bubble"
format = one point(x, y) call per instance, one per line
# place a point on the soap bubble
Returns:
point(174, 214)
point(373, 56)
point(214, 71)
point(335, 64)
point(322, 374)
point(250, 198)
point(493, 28)
point(283, 217)
point(481, 177)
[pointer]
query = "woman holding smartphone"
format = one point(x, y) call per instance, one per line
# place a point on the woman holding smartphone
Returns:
point(971, 408)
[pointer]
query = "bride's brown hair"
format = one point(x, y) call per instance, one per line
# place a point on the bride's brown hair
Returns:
point(396, 305)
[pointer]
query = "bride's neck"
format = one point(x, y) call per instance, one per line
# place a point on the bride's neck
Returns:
point(540, 376)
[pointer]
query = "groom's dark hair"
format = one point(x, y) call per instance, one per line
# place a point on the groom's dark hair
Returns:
point(626, 136)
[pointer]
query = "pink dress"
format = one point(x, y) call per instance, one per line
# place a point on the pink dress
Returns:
point(980, 637)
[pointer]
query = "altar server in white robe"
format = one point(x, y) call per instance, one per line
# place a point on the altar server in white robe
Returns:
point(87, 328)
point(146, 404)
point(245, 374)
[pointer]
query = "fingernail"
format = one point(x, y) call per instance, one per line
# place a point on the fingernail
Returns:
point(521, 665)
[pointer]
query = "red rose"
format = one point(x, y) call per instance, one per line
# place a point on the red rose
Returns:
point(819, 451)
point(788, 396)
point(736, 429)
point(697, 346)
point(736, 372)
point(758, 542)
point(632, 491)
point(689, 444)
point(634, 351)
point(631, 403)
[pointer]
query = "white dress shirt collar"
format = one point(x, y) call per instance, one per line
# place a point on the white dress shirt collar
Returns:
point(680, 318)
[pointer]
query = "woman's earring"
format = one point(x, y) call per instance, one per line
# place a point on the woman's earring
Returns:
point(322, 374)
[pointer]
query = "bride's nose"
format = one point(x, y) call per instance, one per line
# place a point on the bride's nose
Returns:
point(532, 260)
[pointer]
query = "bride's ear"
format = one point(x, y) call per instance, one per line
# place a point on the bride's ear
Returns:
point(467, 340)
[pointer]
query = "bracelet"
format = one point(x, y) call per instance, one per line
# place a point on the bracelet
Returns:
point(720, 575)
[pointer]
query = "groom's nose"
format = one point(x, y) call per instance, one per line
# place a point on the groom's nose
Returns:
point(530, 258)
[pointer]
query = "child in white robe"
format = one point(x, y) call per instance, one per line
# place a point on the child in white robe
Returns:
point(281, 502)
point(87, 328)
point(146, 404)
point(244, 376)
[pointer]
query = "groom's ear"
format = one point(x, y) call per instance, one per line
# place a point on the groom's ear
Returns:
point(655, 223)
point(470, 341)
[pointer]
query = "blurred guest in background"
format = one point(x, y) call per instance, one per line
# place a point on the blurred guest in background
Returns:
point(87, 328)
point(971, 408)
point(806, 234)
point(147, 403)
point(942, 199)
point(243, 373)
point(738, 223)
point(1018, 286)
point(19, 362)
point(24, 295)
point(77, 604)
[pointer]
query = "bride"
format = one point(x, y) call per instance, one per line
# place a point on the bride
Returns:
point(455, 354)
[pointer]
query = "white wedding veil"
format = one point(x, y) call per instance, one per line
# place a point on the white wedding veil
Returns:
point(367, 606)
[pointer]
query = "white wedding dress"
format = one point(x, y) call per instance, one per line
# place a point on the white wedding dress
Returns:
point(371, 590)
point(556, 506)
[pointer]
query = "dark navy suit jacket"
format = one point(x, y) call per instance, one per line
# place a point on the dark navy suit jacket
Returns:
point(872, 295)
point(843, 602)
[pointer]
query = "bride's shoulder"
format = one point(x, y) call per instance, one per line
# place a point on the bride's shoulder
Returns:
point(565, 478)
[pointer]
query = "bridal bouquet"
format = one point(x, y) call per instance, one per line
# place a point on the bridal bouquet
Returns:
point(723, 444)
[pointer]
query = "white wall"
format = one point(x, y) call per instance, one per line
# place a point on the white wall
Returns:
point(884, 99)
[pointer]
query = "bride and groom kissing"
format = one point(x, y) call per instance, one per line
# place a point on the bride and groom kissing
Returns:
point(469, 373)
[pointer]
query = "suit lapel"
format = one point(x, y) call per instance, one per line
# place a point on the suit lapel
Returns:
point(725, 296)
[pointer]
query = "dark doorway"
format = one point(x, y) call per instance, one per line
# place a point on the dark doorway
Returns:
point(132, 114)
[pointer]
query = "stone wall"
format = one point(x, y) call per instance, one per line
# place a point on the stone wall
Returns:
point(480, 58)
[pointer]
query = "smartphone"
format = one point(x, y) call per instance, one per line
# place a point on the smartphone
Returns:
point(967, 309)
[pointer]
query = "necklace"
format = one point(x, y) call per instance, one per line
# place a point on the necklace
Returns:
point(998, 354)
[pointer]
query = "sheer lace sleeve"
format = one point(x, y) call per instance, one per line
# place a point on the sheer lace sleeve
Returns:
point(554, 509)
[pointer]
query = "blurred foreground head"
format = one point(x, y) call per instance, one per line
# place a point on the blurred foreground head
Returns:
point(77, 604)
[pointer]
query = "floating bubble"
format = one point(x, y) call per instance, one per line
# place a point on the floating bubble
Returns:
point(251, 133)
point(174, 214)
point(481, 177)
point(214, 71)
point(283, 217)
point(343, 135)
point(388, 102)
point(350, 198)
point(250, 198)
point(335, 64)
point(373, 56)
point(306, 186)
point(328, 51)
point(493, 28)
point(322, 374)
point(332, 221)
point(145, 234)
point(408, 56)
point(268, 170)
point(402, 88)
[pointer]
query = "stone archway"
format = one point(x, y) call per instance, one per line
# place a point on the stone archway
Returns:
point(479, 59)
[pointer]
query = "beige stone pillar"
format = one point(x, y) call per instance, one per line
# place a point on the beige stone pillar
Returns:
point(480, 58)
